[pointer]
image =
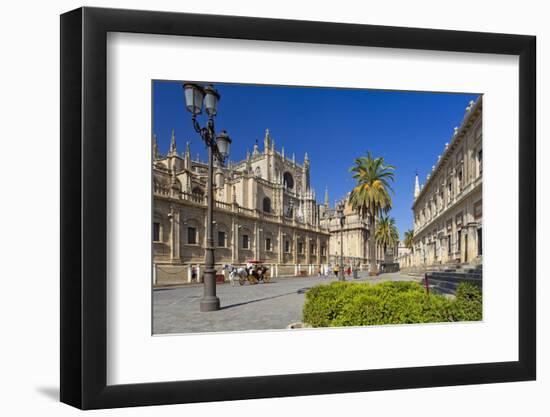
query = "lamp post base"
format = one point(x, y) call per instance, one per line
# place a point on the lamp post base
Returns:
point(210, 304)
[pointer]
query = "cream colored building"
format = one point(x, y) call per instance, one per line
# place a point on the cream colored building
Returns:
point(448, 207)
point(354, 236)
point(265, 209)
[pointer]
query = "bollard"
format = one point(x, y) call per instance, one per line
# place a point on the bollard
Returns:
point(426, 284)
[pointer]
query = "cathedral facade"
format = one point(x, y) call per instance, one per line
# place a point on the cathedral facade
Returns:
point(264, 209)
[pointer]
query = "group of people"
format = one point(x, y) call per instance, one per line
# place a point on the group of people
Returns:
point(330, 270)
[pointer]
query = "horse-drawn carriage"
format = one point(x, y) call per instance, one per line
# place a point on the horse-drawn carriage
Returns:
point(254, 272)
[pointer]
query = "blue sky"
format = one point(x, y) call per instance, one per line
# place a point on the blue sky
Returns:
point(334, 126)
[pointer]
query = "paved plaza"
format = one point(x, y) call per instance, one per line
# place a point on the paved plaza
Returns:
point(272, 305)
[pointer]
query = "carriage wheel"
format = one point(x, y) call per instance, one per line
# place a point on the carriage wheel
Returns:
point(267, 278)
point(241, 280)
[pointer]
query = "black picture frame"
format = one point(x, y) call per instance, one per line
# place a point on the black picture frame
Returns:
point(84, 207)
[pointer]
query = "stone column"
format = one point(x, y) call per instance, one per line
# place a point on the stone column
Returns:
point(254, 194)
point(231, 239)
point(174, 235)
point(318, 250)
point(235, 245)
point(307, 248)
point(280, 245)
point(454, 232)
point(461, 237)
point(295, 247)
point(444, 245)
point(472, 242)
point(256, 241)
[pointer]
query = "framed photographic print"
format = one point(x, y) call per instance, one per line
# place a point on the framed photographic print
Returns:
point(257, 208)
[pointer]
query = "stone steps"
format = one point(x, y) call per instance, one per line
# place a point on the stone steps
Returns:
point(444, 268)
point(447, 281)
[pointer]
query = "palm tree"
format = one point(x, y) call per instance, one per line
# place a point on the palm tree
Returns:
point(409, 240)
point(386, 233)
point(371, 194)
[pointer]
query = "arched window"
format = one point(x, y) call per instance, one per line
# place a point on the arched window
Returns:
point(288, 180)
point(258, 172)
point(267, 205)
point(197, 191)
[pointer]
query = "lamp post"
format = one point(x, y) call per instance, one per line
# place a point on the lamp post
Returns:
point(342, 219)
point(218, 147)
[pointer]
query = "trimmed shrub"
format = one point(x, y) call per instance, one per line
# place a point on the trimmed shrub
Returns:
point(359, 304)
point(468, 302)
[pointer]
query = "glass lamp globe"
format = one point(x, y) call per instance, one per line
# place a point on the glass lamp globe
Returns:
point(194, 96)
point(224, 143)
point(211, 99)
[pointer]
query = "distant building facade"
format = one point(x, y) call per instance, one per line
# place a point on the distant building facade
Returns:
point(447, 209)
point(354, 235)
point(403, 256)
point(265, 209)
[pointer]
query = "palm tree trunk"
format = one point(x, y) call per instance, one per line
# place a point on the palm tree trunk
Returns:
point(373, 270)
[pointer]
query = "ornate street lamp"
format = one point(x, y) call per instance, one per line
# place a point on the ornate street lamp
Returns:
point(342, 219)
point(218, 147)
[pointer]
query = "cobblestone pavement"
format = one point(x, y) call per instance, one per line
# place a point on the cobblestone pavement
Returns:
point(272, 305)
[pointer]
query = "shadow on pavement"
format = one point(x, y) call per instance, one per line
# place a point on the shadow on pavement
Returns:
point(300, 291)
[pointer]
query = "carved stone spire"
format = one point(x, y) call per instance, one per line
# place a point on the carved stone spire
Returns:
point(267, 141)
point(173, 147)
point(187, 156)
point(306, 159)
point(326, 197)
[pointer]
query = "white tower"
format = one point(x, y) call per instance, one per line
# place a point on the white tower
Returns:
point(416, 187)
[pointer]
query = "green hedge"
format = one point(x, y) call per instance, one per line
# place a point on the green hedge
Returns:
point(360, 304)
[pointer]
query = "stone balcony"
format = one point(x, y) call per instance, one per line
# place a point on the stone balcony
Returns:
point(199, 200)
